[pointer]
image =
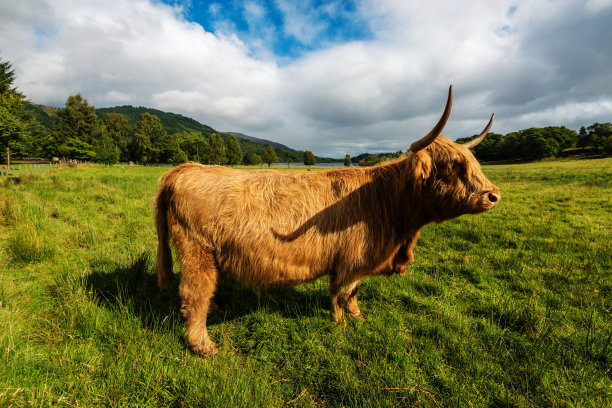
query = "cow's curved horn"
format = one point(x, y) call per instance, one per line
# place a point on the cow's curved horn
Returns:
point(480, 138)
point(435, 132)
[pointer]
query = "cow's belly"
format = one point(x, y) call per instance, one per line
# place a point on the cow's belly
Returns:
point(264, 264)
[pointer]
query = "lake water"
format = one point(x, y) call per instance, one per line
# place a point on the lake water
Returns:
point(340, 164)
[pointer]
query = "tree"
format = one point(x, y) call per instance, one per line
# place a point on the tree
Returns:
point(106, 151)
point(7, 78)
point(509, 147)
point(14, 131)
point(598, 136)
point(216, 150)
point(169, 151)
point(120, 132)
point(370, 160)
point(77, 120)
point(193, 144)
point(488, 149)
point(347, 161)
point(76, 149)
point(608, 145)
point(148, 133)
point(270, 156)
point(309, 159)
point(540, 147)
point(250, 158)
point(234, 153)
point(564, 137)
point(582, 137)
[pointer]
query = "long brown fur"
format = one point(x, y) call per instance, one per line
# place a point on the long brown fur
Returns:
point(265, 227)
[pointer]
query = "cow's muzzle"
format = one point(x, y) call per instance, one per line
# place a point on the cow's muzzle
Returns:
point(485, 201)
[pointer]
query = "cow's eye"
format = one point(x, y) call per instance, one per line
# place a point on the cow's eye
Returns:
point(459, 169)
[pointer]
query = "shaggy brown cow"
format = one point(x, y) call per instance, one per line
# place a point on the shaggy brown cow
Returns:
point(266, 227)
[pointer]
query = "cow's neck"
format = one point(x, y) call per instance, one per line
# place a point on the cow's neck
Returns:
point(398, 200)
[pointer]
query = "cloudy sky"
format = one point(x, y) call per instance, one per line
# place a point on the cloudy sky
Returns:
point(334, 77)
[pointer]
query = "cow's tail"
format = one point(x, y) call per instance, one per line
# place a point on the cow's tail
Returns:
point(164, 254)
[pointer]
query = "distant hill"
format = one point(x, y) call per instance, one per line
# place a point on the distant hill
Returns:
point(172, 122)
point(176, 123)
point(44, 114)
point(260, 141)
point(283, 152)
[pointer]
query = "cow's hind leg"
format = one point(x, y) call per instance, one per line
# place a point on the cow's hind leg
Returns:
point(198, 282)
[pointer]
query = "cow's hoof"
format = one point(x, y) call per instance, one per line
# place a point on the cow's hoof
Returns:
point(206, 350)
point(340, 321)
point(359, 316)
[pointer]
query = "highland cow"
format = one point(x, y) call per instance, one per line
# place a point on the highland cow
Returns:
point(267, 227)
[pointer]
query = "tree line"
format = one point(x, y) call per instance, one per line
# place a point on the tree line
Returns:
point(526, 145)
point(539, 143)
point(76, 132)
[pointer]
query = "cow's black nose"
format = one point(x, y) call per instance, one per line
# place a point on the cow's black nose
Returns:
point(494, 197)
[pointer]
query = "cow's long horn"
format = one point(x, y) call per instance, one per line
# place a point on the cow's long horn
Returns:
point(435, 132)
point(480, 138)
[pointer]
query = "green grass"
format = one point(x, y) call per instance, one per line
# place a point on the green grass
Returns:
point(508, 308)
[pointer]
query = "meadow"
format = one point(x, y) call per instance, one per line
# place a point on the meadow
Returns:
point(511, 308)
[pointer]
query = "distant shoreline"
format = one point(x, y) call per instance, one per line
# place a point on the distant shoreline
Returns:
point(332, 164)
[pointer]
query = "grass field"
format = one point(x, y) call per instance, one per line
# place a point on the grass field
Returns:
point(508, 308)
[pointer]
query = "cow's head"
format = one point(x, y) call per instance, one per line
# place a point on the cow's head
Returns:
point(450, 175)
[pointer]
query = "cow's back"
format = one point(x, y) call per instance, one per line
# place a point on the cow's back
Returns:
point(265, 226)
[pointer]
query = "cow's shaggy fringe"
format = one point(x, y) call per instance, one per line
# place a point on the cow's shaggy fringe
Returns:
point(265, 227)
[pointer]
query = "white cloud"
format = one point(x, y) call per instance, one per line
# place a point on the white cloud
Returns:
point(531, 63)
point(571, 111)
point(597, 6)
point(229, 107)
point(300, 20)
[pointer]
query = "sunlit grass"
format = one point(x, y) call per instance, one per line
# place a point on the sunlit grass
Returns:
point(508, 308)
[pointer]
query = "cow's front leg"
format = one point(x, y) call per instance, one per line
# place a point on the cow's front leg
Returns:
point(351, 303)
point(342, 292)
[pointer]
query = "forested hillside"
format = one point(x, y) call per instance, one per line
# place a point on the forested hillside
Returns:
point(118, 120)
point(171, 122)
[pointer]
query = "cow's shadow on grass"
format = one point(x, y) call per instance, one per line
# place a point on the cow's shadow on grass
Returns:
point(132, 286)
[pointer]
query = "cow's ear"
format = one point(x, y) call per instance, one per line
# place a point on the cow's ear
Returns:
point(422, 164)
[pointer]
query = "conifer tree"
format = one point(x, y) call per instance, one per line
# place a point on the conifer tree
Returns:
point(14, 132)
point(77, 120)
point(216, 150)
point(234, 152)
point(347, 161)
point(145, 145)
point(120, 132)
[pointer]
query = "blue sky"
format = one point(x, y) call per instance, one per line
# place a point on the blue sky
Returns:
point(286, 28)
point(334, 77)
